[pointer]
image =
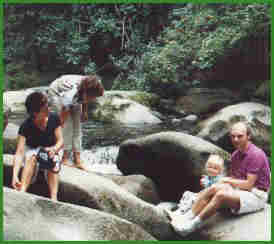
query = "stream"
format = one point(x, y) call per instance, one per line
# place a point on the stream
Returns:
point(101, 140)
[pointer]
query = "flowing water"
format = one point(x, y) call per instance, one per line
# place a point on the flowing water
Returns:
point(101, 140)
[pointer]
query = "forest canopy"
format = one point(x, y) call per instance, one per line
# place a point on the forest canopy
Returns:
point(160, 48)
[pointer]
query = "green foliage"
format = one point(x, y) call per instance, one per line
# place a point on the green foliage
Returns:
point(198, 37)
point(72, 33)
point(90, 68)
point(146, 99)
point(134, 80)
point(70, 37)
point(19, 78)
point(9, 146)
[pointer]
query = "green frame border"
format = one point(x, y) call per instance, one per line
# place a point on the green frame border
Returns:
point(1, 118)
point(113, 1)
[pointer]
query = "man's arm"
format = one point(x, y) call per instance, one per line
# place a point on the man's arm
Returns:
point(17, 161)
point(242, 184)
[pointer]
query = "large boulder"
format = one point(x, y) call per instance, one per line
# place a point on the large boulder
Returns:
point(204, 100)
point(6, 111)
point(15, 100)
point(263, 92)
point(216, 128)
point(35, 218)
point(120, 110)
point(144, 98)
point(114, 106)
point(11, 131)
point(247, 227)
point(173, 160)
point(225, 226)
point(139, 185)
point(94, 191)
point(10, 138)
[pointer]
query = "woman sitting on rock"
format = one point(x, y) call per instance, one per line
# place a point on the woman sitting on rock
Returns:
point(41, 130)
point(69, 95)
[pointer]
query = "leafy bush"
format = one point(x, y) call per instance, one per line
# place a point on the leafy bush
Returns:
point(18, 77)
point(198, 37)
point(71, 34)
point(83, 38)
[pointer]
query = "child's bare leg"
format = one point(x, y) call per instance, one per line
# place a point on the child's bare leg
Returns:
point(203, 199)
point(77, 161)
point(65, 159)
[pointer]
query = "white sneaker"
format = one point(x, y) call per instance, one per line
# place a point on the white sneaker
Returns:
point(187, 201)
point(187, 227)
point(176, 213)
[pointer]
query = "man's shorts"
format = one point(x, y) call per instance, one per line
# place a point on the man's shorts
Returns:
point(251, 201)
point(29, 152)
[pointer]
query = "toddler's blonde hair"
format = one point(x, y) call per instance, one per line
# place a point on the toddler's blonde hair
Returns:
point(217, 160)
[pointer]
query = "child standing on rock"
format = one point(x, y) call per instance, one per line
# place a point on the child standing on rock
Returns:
point(70, 95)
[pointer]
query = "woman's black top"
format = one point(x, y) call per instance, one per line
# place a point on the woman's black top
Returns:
point(36, 137)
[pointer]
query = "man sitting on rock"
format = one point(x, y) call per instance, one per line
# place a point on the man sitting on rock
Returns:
point(246, 190)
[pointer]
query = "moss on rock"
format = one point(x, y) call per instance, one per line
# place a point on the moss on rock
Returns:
point(9, 146)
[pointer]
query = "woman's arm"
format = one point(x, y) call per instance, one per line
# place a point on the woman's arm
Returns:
point(59, 142)
point(17, 161)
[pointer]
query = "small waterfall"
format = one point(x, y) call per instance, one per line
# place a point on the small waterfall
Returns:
point(102, 159)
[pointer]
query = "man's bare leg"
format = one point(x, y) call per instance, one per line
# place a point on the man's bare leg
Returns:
point(224, 197)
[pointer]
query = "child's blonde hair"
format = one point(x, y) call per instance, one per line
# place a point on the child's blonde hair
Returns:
point(216, 159)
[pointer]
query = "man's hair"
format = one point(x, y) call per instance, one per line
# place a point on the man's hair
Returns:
point(216, 159)
point(35, 101)
point(247, 126)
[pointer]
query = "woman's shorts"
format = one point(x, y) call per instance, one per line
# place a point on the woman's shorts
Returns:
point(29, 152)
point(251, 201)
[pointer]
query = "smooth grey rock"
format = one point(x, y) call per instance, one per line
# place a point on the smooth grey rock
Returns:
point(88, 189)
point(15, 100)
point(30, 217)
point(11, 131)
point(120, 110)
point(247, 227)
point(216, 128)
point(139, 185)
point(205, 100)
point(173, 160)
point(264, 91)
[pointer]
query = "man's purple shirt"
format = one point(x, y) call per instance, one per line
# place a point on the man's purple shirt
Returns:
point(252, 161)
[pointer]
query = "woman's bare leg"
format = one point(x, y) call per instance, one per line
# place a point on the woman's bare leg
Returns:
point(27, 173)
point(53, 182)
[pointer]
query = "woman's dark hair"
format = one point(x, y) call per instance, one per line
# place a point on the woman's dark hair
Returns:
point(35, 101)
point(92, 86)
